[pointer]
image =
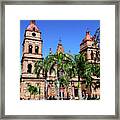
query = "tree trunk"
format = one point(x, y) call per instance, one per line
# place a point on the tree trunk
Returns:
point(34, 96)
point(30, 96)
point(67, 94)
point(89, 93)
point(61, 95)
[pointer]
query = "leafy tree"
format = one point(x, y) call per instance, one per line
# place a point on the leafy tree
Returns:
point(43, 66)
point(62, 63)
point(90, 71)
point(33, 90)
point(66, 67)
point(85, 70)
point(64, 82)
point(80, 64)
point(96, 70)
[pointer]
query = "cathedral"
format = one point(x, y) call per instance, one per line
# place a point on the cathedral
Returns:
point(32, 52)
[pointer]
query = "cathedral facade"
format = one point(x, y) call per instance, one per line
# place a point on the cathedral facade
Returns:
point(32, 52)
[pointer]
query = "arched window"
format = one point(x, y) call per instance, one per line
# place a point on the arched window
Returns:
point(30, 48)
point(36, 49)
point(34, 29)
point(29, 68)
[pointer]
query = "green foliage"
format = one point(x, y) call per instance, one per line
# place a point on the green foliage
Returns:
point(97, 71)
point(32, 89)
point(80, 64)
point(66, 67)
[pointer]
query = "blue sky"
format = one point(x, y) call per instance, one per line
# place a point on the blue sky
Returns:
point(71, 33)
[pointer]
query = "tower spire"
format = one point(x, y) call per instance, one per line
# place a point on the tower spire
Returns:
point(87, 34)
point(60, 47)
point(32, 22)
point(60, 41)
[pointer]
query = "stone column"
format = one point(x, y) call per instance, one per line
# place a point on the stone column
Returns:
point(33, 47)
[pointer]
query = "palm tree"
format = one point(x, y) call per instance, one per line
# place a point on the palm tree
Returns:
point(56, 63)
point(44, 67)
point(85, 70)
point(80, 63)
point(69, 71)
point(88, 77)
point(32, 90)
point(35, 91)
point(66, 67)
point(62, 63)
point(64, 81)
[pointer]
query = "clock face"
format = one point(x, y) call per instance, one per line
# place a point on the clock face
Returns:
point(33, 34)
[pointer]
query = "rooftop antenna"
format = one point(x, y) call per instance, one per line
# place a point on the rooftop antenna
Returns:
point(60, 40)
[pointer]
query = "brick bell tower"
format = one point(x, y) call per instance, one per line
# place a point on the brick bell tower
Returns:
point(90, 49)
point(32, 52)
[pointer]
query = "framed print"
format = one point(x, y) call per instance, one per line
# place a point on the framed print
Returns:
point(60, 59)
